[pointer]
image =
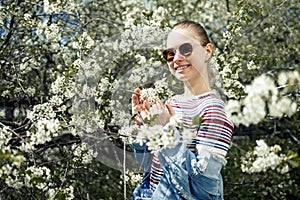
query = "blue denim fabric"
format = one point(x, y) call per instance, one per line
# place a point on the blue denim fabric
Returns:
point(187, 175)
point(143, 191)
point(142, 155)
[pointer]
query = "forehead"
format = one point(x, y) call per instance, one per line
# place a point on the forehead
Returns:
point(178, 36)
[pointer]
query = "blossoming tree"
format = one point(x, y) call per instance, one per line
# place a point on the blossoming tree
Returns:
point(68, 69)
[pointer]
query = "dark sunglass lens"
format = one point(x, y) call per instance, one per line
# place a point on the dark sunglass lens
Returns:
point(168, 55)
point(164, 54)
point(170, 59)
point(186, 49)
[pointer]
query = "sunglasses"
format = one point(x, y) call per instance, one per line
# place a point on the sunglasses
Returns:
point(185, 49)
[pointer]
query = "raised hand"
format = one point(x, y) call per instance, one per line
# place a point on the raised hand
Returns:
point(140, 107)
point(163, 114)
point(142, 111)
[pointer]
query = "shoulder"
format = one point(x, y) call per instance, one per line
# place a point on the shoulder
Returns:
point(201, 102)
point(214, 111)
point(212, 101)
point(212, 104)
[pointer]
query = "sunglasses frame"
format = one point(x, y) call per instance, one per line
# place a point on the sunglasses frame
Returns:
point(170, 53)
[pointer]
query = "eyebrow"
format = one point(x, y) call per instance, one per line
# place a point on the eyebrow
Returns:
point(180, 45)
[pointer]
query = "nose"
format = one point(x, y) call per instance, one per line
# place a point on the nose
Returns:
point(178, 57)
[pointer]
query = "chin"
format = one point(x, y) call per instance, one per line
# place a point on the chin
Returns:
point(181, 78)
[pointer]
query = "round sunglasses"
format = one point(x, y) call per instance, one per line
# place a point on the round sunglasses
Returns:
point(185, 49)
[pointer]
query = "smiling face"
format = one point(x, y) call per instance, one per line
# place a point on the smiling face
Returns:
point(190, 66)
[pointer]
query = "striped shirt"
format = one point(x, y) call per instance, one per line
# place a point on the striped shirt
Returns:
point(214, 134)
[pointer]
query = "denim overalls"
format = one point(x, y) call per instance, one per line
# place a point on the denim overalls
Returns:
point(187, 175)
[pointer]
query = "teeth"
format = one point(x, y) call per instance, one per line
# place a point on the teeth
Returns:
point(182, 67)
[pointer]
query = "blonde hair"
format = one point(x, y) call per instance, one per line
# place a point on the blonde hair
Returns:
point(199, 30)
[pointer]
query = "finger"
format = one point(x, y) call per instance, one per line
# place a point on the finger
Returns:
point(137, 120)
point(146, 104)
point(136, 96)
point(137, 91)
point(136, 104)
point(170, 109)
point(160, 104)
point(134, 100)
point(162, 107)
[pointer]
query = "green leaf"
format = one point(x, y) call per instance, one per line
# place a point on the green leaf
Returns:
point(197, 120)
point(294, 163)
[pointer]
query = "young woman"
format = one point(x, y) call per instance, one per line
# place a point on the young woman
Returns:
point(188, 171)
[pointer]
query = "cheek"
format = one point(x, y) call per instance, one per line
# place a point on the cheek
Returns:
point(198, 59)
point(171, 68)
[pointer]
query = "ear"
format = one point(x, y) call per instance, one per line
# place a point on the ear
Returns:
point(209, 51)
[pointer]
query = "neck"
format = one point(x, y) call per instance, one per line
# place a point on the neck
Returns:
point(196, 87)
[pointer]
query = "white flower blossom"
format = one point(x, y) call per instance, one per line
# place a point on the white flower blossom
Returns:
point(5, 135)
point(149, 93)
point(26, 16)
point(251, 65)
point(188, 135)
point(282, 78)
point(27, 146)
point(83, 153)
point(263, 158)
point(48, 8)
point(262, 96)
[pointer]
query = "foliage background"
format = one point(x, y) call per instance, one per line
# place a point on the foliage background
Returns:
point(67, 67)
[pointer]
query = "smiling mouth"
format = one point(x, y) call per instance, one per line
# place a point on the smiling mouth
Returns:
point(182, 67)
